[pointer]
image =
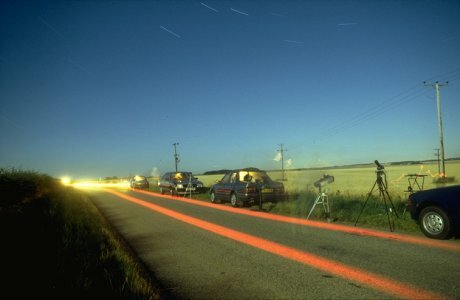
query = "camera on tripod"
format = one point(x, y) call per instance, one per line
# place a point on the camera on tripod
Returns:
point(382, 184)
point(326, 179)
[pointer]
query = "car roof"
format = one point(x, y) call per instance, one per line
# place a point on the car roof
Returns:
point(449, 187)
point(186, 172)
point(248, 170)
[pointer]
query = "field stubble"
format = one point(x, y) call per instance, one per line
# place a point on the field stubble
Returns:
point(358, 181)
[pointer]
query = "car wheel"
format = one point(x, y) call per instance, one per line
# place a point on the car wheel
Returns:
point(161, 190)
point(213, 197)
point(435, 223)
point(172, 192)
point(234, 200)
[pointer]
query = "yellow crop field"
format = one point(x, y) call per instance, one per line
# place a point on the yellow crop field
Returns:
point(360, 180)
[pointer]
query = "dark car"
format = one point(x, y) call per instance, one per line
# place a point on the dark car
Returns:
point(437, 211)
point(139, 182)
point(179, 183)
point(246, 187)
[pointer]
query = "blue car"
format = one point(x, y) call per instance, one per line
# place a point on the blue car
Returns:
point(437, 211)
point(246, 187)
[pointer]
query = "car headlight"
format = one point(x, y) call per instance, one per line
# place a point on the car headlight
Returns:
point(180, 186)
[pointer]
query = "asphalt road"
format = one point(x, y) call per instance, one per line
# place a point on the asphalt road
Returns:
point(201, 252)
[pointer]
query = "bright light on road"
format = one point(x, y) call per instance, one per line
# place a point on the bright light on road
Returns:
point(66, 180)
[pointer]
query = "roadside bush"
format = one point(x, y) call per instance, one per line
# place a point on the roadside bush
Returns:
point(55, 244)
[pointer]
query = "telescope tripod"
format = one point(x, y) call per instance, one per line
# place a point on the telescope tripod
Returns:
point(381, 182)
point(324, 200)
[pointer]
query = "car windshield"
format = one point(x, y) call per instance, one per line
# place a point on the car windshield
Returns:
point(182, 176)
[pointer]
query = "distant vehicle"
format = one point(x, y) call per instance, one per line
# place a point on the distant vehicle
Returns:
point(179, 183)
point(246, 187)
point(139, 182)
point(437, 211)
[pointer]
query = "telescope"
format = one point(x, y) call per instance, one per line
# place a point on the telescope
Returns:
point(379, 166)
point(323, 181)
point(322, 196)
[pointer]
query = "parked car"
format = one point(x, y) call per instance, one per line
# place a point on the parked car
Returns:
point(246, 187)
point(179, 183)
point(437, 211)
point(139, 182)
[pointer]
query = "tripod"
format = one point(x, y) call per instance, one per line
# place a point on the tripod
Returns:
point(189, 185)
point(324, 200)
point(381, 182)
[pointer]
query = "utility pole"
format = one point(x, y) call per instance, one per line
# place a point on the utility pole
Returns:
point(436, 85)
point(281, 151)
point(438, 155)
point(176, 156)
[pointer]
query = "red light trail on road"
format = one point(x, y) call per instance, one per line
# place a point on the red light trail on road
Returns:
point(317, 224)
point(369, 279)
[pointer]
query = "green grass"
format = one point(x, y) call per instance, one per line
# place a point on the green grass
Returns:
point(56, 244)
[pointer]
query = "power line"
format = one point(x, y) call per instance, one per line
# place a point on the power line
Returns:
point(448, 75)
point(375, 111)
point(394, 102)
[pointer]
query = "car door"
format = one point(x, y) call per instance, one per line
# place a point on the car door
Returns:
point(223, 189)
point(164, 181)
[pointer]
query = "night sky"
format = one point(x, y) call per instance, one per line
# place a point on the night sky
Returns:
point(104, 88)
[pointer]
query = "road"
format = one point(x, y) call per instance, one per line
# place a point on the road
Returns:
point(200, 250)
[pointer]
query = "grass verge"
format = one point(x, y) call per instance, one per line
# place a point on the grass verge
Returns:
point(55, 244)
point(346, 209)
